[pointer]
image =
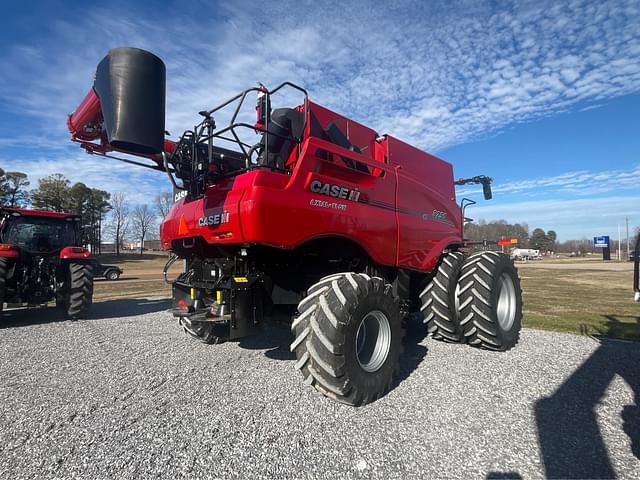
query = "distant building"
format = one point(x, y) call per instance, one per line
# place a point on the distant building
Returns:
point(148, 245)
point(107, 247)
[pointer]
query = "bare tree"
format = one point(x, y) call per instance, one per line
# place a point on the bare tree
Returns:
point(163, 203)
point(143, 220)
point(118, 225)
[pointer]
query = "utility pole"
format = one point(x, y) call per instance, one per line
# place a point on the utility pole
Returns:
point(628, 252)
point(619, 244)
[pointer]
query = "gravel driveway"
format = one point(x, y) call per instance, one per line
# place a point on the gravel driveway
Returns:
point(127, 394)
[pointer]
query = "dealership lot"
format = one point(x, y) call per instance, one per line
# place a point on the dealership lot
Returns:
point(127, 393)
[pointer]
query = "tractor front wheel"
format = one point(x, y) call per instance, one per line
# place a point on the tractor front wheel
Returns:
point(348, 337)
point(80, 291)
point(490, 301)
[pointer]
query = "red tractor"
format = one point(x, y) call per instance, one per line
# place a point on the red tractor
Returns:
point(354, 231)
point(41, 260)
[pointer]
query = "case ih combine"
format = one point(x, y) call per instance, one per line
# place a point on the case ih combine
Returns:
point(41, 260)
point(356, 229)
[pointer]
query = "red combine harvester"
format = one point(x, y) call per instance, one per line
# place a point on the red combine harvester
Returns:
point(41, 260)
point(352, 230)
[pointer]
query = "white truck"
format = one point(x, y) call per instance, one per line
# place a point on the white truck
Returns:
point(525, 254)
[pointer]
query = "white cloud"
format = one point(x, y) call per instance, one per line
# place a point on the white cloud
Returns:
point(577, 183)
point(570, 218)
point(431, 75)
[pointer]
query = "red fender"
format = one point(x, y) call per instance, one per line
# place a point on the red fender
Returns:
point(74, 253)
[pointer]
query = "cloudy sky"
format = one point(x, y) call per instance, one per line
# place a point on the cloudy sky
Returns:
point(544, 97)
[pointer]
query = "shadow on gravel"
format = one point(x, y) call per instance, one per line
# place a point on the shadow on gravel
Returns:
point(126, 307)
point(276, 337)
point(503, 475)
point(414, 352)
point(570, 441)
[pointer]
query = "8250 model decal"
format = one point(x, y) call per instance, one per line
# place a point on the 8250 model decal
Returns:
point(337, 191)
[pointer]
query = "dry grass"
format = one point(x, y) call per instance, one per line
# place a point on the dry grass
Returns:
point(589, 302)
point(142, 277)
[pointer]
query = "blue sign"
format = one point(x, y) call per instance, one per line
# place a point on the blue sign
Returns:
point(601, 242)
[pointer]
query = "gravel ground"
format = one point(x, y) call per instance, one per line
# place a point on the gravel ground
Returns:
point(127, 394)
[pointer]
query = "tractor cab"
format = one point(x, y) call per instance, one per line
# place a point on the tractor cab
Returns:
point(39, 232)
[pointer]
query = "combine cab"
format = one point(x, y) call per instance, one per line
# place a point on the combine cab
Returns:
point(308, 210)
point(41, 260)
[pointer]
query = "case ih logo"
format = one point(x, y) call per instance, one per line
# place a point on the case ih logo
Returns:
point(336, 191)
point(214, 219)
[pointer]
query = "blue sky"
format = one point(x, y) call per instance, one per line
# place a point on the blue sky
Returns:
point(544, 97)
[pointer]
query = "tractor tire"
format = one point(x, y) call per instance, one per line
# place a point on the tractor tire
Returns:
point(490, 301)
point(348, 337)
point(80, 293)
point(3, 280)
point(440, 302)
point(206, 332)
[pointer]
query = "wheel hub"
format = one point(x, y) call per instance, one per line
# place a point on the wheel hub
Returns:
point(373, 341)
point(506, 306)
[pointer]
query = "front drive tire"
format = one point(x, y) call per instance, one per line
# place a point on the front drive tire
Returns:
point(490, 301)
point(348, 337)
point(80, 293)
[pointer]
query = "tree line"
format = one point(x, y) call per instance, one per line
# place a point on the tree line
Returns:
point(101, 211)
point(113, 214)
point(538, 239)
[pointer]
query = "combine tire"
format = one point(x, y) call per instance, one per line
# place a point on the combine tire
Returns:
point(207, 332)
point(3, 280)
point(80, 293)
point(440, 302)
point(348, 337)
point(490, 301)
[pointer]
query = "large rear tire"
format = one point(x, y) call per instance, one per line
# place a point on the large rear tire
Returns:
point(490, 301)
point(440, 302)
point(80, 293)
point(348, 337)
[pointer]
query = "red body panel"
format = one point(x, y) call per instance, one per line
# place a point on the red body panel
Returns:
point(394, 200)
point(83, 121)
point(74, 253)
point(40, 213)
point(405, 213)
point(8, 251)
